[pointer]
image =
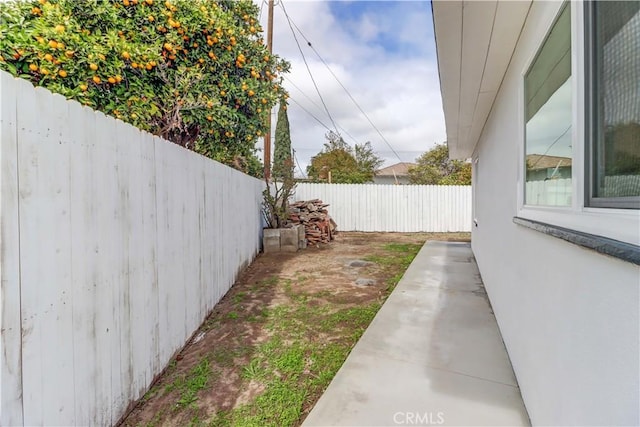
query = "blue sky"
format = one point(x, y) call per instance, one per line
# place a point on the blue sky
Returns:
point(386, 17)
point(383, 52)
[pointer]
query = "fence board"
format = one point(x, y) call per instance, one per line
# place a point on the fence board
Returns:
point(393, 208)
point(122, 246)
point(10, 344)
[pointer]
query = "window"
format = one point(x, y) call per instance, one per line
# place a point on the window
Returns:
point(613, 103)
point(548, 118)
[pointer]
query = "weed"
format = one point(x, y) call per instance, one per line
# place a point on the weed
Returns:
point(237, 298)
point(252, 371)
point(190, 384)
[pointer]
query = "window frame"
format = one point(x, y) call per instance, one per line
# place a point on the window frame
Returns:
point(591, 122)
point(613, 223)
point(523, 96)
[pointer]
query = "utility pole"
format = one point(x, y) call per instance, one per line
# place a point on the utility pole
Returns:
point(267, 136)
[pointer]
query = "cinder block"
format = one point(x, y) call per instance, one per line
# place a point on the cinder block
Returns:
point(271, 240)
point(289, 239)
point(302, 241)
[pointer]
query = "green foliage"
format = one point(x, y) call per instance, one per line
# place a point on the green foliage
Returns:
point(434, 167)
point(275, 204)
point(282, 159)
point(195, 72)
point(347, 165)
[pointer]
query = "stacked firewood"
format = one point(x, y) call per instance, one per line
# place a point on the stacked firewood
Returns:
point(313, 214)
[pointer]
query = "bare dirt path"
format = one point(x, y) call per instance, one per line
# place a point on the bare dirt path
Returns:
point(274, 342)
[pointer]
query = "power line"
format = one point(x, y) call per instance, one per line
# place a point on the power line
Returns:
point(311, 114)
point(343, 87)
point(307, 65)
point(297, 163)
point(317, 106)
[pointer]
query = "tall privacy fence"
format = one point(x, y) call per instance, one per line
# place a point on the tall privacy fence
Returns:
point(400, 208)
point(115, 246)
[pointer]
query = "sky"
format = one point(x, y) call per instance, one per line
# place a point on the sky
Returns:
point(383, 52)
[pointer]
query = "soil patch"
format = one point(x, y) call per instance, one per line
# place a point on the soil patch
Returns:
point(274, 342)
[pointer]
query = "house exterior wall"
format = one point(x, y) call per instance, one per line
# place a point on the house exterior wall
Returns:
point(568, 316)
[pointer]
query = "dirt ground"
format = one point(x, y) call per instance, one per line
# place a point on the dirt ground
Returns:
point(237, 354)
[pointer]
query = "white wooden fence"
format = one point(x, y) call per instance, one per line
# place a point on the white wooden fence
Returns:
point(401, 208)
point(552, 192)
point(115, 246)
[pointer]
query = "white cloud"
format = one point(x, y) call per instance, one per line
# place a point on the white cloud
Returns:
point(383, 53)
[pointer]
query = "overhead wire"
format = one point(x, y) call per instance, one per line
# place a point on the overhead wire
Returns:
point(311, 114)
point(297, 163)
point(343, 130)
point(307, 65)
point(343, 87)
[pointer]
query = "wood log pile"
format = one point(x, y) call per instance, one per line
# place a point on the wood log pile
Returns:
point(313, 214)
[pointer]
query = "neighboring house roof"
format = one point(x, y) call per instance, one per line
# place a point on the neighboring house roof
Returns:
point(475, 41)
point(538, 161)
point(399, 169)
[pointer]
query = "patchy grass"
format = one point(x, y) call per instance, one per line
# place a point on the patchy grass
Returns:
point(276, 344)
point(189, 385)
point(291, 365)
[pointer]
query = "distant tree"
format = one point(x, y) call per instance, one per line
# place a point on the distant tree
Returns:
point(282, 160)
point(347, 165)
point(434, 167)
point(367, 160)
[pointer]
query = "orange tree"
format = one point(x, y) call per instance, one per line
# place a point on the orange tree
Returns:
point(195, 72)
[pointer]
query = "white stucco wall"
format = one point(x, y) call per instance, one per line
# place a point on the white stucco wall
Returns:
point(568, 316)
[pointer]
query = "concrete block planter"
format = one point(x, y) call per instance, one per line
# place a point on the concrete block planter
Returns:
point(283, 239)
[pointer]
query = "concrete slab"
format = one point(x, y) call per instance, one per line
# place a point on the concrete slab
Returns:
point(432, 356)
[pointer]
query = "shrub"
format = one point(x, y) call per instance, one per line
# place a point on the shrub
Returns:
point(195, 72)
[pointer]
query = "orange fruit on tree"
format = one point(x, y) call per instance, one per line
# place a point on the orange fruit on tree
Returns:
point(149, 2)
point(33, 67)
point(62, 73)
point(53, 44)
point(83, 87)
point(112, 80)
point(96, 79)
point(93, 67)
point(126, 55)
point(48, 57)
point(69, 54)
point(59, 28)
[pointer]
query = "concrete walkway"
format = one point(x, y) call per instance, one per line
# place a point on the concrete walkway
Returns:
point(433, 355)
